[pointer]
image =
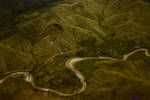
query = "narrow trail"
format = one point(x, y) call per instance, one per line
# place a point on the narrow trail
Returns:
point(70, 65)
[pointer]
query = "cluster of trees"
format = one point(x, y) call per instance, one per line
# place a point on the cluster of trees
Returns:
point(18, 6)
point(9, 9)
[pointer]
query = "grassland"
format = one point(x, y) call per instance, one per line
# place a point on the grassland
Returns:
point(99, 27)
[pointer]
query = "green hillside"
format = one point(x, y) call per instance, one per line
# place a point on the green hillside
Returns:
point(91, 28)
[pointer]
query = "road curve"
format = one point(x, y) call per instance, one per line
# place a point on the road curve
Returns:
point(70, 65)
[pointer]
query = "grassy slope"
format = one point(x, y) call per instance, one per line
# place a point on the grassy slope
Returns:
point(100, 27)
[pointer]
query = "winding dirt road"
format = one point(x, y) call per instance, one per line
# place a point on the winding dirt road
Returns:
point(70, 64)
